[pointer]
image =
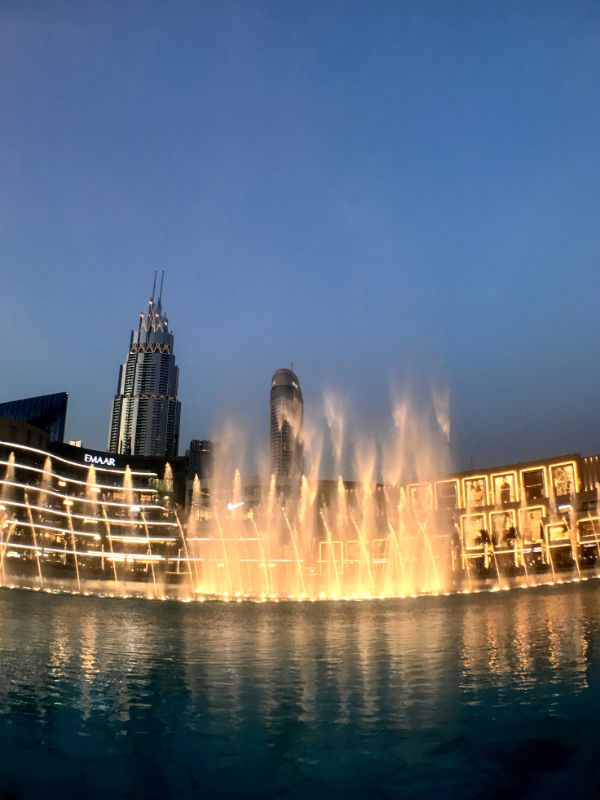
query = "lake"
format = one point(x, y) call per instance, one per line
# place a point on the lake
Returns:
point(490, 695)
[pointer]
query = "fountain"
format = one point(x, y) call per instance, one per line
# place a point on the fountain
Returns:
point(399, 525)
point(309, 537)
point(9, 477)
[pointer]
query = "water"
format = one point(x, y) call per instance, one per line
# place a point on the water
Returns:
point(482, 696)
point(118, 533)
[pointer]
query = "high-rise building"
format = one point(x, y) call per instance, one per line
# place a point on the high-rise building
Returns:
point(201, 459)
point(47, 411)
point(145, 411)
point(287, 415)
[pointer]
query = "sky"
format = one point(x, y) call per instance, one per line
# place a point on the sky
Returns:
point(385, 194)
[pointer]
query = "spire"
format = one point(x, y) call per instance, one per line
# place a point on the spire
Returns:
point(154, 319)
point(162, 278)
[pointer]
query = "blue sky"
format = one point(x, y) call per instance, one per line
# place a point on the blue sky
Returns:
point(380, 192)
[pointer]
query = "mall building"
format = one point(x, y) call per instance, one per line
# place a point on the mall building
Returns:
point(541, 514)
point(71, 516)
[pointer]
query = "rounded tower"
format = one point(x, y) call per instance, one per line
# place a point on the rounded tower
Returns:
point(287, 417)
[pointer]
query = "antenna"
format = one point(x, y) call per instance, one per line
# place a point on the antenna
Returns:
point(137, 349)
point(162, 277)
point(154, 286)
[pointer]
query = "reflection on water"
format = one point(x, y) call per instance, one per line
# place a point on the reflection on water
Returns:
point(476, 694)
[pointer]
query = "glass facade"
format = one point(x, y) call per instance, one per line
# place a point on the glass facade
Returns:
point(47, 411)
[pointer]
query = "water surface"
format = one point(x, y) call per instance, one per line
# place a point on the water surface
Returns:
point(490, 695)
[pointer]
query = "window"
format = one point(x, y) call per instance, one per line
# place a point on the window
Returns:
point(420, 496)
point(503, 528)
point(446, 493)
point(476, 491)
point(532, 524)
point(563, 479)
point(505, 488)
point(534, 484)
point(472, 525)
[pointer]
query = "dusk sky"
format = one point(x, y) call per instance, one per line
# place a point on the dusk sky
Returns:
point(382, 193)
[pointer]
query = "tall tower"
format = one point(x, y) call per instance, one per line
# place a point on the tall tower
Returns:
point(145, 411)
point(287, 415)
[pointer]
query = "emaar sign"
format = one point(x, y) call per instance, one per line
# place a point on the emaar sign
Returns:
point(107, 461)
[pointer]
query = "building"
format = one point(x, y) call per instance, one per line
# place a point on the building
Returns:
point(201, 459)
point(47, 411)
point(23, 433)
point(72, 518)
point(287, 416)
point(145, 412)
point(514, 519)
point(171, 472)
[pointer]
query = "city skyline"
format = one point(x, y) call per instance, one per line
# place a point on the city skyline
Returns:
point(404, 201)
point(256, 436)
point(343, 537)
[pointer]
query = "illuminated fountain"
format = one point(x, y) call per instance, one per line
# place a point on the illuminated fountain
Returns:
point(308, 537)
point(68, 527)
point(404, 525)
point(400, 524)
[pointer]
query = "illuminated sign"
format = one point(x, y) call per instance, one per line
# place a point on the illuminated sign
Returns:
point(106, 460)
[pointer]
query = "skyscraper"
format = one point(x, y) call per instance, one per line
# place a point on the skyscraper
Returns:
point(145, 411)
point(287, 415)
point(201, 458)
